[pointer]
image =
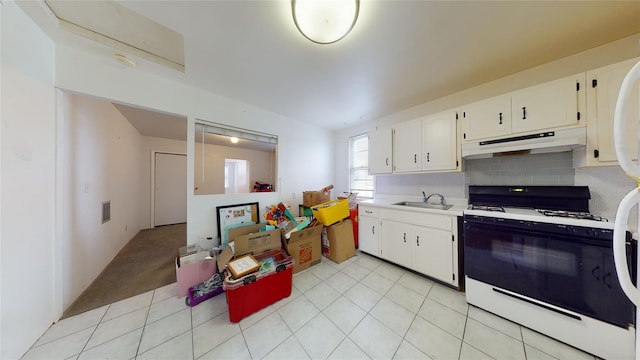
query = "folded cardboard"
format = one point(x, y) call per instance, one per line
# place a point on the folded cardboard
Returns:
point(340, 244)
point(188, 275)
point(310, 198)
point(304, 246)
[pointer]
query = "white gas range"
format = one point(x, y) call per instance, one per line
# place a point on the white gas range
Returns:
point(554, 274)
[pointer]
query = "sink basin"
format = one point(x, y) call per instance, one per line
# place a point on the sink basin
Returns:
point(421, 204)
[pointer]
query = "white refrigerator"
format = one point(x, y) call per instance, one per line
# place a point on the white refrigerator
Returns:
point(632, 199)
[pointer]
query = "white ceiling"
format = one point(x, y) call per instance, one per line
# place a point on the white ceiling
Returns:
point(400, 53)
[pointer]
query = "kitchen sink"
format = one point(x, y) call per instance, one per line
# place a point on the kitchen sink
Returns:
point(424, 205)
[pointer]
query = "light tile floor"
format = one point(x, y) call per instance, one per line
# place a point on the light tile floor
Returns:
point(363, 308)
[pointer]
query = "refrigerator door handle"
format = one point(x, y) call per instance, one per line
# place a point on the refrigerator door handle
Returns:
point(619, 250)
point(619, 122)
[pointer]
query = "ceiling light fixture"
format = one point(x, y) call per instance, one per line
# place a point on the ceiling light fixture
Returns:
point(234, 139)
point(325, 21)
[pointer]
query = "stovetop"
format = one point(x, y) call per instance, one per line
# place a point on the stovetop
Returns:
point(563, 205)
point(541, 215)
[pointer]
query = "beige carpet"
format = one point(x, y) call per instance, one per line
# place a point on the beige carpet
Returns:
point(145, 263)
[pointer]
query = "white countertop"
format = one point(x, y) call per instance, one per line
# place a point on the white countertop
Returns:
point(388, 201)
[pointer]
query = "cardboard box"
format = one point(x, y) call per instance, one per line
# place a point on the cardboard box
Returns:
point(249, 240)
point(188, 275)
point(305, 247)
point(341, 245)
point(310, 198)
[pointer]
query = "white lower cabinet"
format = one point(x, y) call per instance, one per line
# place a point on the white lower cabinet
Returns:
point(397, 242)
point(424, 242)
point(368, 230)
point(433, 254)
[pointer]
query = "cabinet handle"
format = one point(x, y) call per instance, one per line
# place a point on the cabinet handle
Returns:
point(418, 240)
point(405, 237)
point(415, 158)
point(524, 113)
point(373, 229)
point(386, 161)
point(428, 157)
point(500, 122)
point(368, 211)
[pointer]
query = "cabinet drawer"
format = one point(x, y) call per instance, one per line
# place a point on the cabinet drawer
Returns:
point(370, 211)
point(435, 221)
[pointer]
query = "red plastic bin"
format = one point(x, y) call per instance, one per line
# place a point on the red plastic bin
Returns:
point(254, 292)
point(353, 215)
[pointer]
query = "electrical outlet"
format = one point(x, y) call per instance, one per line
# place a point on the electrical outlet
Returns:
point(86, 188)
point(125, 227)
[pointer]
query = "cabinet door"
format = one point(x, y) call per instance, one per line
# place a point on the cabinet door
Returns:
point(604, 85)
point(368, 231)
point(439, 142)
point(487, 118)
point(406, 146)
point(433, 254)
point(380, 147)
point(395, 242)
point(549, 105)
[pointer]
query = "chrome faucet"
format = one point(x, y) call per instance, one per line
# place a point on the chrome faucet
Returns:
point(426, 198)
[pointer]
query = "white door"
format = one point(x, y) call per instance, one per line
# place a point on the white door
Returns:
point(170, 193)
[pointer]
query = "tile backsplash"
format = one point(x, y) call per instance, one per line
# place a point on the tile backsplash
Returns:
point(536, 169)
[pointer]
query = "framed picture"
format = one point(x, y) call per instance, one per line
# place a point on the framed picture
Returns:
point(230, 216)
point(243, 265)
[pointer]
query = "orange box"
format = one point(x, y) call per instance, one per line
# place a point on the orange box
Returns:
point(305, 247)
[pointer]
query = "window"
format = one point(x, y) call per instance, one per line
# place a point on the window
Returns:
point(359, 179)
point(229, 160)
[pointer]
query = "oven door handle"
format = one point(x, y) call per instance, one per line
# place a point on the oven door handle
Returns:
point(619, 244)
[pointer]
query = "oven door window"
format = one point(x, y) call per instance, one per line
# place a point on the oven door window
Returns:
point(574, 274)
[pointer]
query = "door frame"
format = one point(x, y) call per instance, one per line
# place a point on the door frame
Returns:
point(153, 183)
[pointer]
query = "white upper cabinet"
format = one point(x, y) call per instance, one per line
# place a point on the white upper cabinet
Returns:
point(426, 144)
point(380, 151)
point(486, 118)
point(407, 146)
point(439, 142)
point(603, 85)
point(559, 103)
point(549, 105)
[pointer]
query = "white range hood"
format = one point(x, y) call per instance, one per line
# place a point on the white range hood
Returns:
point(543, 142)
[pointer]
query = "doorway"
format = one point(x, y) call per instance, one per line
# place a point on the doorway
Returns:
point(169, 189)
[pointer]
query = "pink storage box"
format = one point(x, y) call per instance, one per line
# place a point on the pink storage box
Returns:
point(192, 274)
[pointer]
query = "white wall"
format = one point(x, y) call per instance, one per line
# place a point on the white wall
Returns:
point(305, 152)
point(28, 148)
point(260, 163)
point(102, 161)
point(452, 184)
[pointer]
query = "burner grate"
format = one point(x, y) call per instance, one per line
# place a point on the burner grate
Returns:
point(572, 214)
